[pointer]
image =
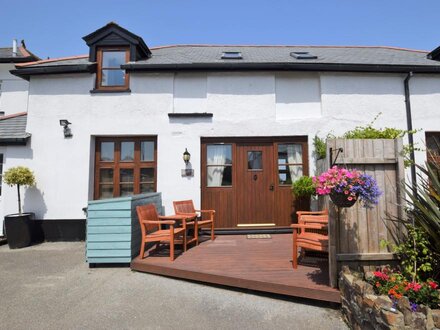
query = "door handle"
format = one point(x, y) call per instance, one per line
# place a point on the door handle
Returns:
point(271, 187)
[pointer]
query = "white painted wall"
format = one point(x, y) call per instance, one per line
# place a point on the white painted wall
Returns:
point(13, 99)
point(243, 104)
point(13, 91)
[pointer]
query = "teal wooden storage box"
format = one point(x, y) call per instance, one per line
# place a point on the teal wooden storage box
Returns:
point(113, 233)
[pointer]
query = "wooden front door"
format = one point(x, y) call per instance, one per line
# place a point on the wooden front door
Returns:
point(255, 183)
point(247, 181)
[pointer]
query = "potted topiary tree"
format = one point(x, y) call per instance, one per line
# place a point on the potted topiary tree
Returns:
point(19, 226)
point(302, 190)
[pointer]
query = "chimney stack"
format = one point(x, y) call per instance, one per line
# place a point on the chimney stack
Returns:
point(14, 47)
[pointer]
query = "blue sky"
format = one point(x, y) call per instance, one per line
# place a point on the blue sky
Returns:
point(55, 28)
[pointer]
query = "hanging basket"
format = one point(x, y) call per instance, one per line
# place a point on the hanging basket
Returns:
point(341, 200)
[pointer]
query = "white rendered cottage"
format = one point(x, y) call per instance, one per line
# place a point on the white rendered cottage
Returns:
point(13, 108)
point(246, 114)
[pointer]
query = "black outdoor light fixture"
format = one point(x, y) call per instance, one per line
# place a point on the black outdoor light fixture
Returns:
point(65, 123)
point(186, 156)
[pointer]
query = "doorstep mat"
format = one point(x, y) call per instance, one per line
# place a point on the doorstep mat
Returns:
point(258, 236)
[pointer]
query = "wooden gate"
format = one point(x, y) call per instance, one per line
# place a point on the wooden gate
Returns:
point(357, 237)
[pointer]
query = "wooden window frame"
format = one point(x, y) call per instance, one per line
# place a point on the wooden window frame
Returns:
point(430, 156)
point(303, 161)
point(117, 164)
point(100, 68)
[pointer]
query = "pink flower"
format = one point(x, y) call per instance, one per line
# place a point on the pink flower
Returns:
point(433, 285)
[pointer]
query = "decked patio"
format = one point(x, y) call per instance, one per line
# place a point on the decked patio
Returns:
point(262, 264)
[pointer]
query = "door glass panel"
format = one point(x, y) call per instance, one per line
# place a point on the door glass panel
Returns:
point(291, 153)
point(147, 151)
point(219, 154)
point(127, 151)
point(290, 166)
point(289, 173)
point(107, 151)
point(255, 160)
point(219, 176)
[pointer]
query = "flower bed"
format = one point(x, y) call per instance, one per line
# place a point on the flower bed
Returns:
point(364, 307)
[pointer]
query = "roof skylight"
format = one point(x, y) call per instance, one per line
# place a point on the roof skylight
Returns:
point(232, 56)
point(303, 56)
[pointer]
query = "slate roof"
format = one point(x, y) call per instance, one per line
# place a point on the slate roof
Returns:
point(23, 55)
point(281, 54)
point(13, 129)
point(205, 57)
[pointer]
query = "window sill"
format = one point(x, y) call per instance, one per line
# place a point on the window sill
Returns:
point(190, 115)
point(109, 91)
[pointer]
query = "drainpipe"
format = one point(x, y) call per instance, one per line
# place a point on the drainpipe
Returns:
point(410, 134)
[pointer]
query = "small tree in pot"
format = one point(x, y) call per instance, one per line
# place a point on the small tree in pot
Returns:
point(19, 226)
point(302, 190)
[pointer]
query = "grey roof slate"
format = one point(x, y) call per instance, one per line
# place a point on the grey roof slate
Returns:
point(22, 55)
point(206, 54)
point(13, 127)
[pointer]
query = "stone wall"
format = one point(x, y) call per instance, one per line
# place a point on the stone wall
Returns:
point(363, 309)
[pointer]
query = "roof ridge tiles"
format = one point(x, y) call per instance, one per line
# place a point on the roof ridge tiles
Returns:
point(18, 114)
point(308, 46)
point(52, 60)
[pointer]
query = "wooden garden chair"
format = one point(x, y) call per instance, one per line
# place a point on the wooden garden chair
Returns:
point(151, 228)
point(186, 207)
point(311, 233)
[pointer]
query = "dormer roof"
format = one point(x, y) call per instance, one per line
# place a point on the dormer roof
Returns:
point(114, 35)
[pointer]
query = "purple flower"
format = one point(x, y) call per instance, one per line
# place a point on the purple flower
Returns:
point(413, 306)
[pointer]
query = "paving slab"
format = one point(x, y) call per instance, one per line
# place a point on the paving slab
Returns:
point(49, 286)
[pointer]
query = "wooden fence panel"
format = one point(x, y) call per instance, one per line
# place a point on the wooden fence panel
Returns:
point(356, 237)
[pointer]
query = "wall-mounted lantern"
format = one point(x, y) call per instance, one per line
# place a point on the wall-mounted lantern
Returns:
point(67, 132)
point(186, 156)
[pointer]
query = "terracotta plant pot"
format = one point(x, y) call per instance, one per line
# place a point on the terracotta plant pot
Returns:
point(341, 200)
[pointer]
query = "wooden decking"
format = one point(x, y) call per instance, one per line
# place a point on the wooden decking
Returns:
point(256, 264)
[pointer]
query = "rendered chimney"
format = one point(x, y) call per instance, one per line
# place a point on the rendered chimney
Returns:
point(14, 47)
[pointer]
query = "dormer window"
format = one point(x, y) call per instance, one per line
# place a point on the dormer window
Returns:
point(110, 47)
point(110, 75)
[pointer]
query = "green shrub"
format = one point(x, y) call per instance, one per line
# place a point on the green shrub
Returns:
point(303, 187)
point(369, 132)
point(320, 147)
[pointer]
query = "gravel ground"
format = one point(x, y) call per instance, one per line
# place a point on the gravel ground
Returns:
point(49, 286)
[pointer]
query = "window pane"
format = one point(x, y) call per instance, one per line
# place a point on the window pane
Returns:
point(289, 173)
point(219, 176)
point(126, 189)
point(433, 144)
point(219, 154)
point(112, 59)
point(255, 160)
point(113, 78)
point(147, 151)
point(126, 175)
point(147, 174)
point(106, 191)
point(147, 187)
point(127, 151)
point(290, 153)
point(106, 175)
point(107, 151)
